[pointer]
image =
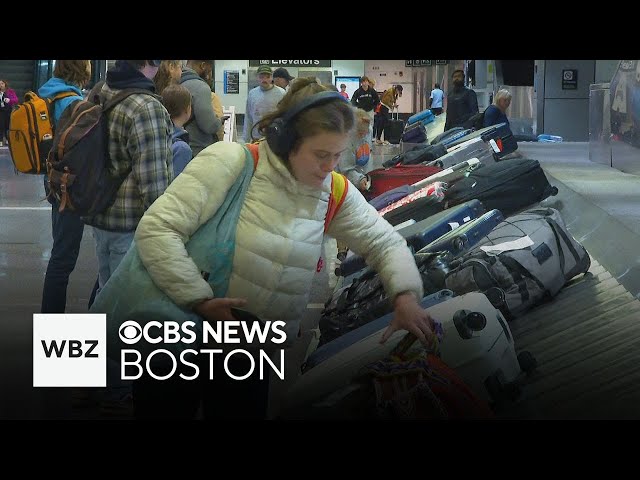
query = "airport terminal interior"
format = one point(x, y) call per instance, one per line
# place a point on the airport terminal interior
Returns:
point(577, 118)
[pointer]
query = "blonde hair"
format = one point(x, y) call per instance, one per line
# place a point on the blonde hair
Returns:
point(502, 93)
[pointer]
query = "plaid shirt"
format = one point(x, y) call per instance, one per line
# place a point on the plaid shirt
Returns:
point(139, 139)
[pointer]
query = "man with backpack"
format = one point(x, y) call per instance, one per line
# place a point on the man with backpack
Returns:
point(139, 143)
point(69, 76)
point(139, 146)
point(203, 125)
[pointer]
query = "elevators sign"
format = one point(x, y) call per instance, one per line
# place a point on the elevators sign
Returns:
point(569, 79)
point(291, 63)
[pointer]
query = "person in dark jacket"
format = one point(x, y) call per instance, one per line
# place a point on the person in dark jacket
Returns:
point(462, 102)
point(367, 99)
point(496, 113)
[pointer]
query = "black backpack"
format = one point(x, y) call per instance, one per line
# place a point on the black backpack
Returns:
point(78, 165)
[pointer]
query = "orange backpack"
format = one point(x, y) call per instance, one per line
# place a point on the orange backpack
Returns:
point(339, 187)
point(31, 132)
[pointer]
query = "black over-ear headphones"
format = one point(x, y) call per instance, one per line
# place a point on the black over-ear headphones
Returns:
point(281, 135)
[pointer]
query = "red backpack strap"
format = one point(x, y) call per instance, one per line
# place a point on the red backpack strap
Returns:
point(339, 188)
point(253, 148)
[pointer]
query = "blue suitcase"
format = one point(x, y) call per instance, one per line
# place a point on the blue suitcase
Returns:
point(422, 233)
point(465, 237)
point(425, 116)
point(335, 346)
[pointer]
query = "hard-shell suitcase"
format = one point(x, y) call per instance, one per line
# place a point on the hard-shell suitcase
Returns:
point(393, 130)
point(385, 179)
point(498, 136)
point(475, 148)
point(422, 233)
point(477, 343)
point(425, 116)
point(465, 237)
point(329, 349)
point(452, 174)
point(448, 134)
point(509, 186)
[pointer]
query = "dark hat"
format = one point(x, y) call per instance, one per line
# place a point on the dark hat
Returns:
point(264, 69)
point(282, 73)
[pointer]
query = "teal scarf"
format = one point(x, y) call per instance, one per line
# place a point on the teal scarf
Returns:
point(130, 293)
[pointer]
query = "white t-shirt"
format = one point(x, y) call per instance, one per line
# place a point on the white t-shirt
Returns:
point(436, 98)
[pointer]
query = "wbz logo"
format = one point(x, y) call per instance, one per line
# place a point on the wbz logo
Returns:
point(69, 350)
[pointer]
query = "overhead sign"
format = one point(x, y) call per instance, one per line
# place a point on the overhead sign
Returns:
point(424, 63)
point(290, 63)
point(231, 82)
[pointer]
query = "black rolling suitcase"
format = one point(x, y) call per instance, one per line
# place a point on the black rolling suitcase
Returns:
point(393, 130)
point(509, 186)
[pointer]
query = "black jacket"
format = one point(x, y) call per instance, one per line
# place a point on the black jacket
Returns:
point(462, 104)
point(366, 100)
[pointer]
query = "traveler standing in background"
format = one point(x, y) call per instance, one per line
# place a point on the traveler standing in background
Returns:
point(8, 99)
point(204, 125)
point(261, 100)
point(367, 99)
point(435, 99)
point(343, 91)
point(387, 104)
point(69, 76)
point(462, 102)
point(282, 78)
point(169, 73)
point(497, 113)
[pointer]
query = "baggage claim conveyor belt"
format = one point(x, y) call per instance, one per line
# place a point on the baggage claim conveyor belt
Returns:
point(587, 339)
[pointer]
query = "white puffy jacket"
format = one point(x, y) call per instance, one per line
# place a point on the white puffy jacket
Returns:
point(278, 238)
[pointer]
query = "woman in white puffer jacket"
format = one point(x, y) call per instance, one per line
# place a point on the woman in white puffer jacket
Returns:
point(280, 230)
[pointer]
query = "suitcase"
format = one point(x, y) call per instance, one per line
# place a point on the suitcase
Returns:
point(331, 348)
point(417, 210)
point(393, 130)
point(415, 134)
point(460, 240)
point(435, 189)
point(509, 186)
point(446, 135)
point(477, 343)
point(420, 154)
point(474, 148)
point(425, 116)
point(422, 233)
point(452, 174)
point(499, 137)
point(387, 198)
point(385, 179)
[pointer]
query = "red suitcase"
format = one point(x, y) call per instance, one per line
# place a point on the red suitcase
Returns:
point(385, 179)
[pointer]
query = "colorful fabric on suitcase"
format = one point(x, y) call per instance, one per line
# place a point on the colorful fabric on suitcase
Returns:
point(436, 189)
point(422, 386)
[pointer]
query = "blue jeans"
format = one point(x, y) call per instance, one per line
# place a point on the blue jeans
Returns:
point(67, 229)
point(111, 248)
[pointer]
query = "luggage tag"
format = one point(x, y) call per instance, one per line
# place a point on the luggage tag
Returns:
point(494, 145)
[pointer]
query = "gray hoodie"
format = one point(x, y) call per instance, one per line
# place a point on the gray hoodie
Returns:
point(204, 124)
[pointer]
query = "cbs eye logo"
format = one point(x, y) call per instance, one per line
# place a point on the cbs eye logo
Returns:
point(130, 332)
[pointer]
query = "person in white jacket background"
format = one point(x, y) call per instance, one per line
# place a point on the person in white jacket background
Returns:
point(278, 239)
